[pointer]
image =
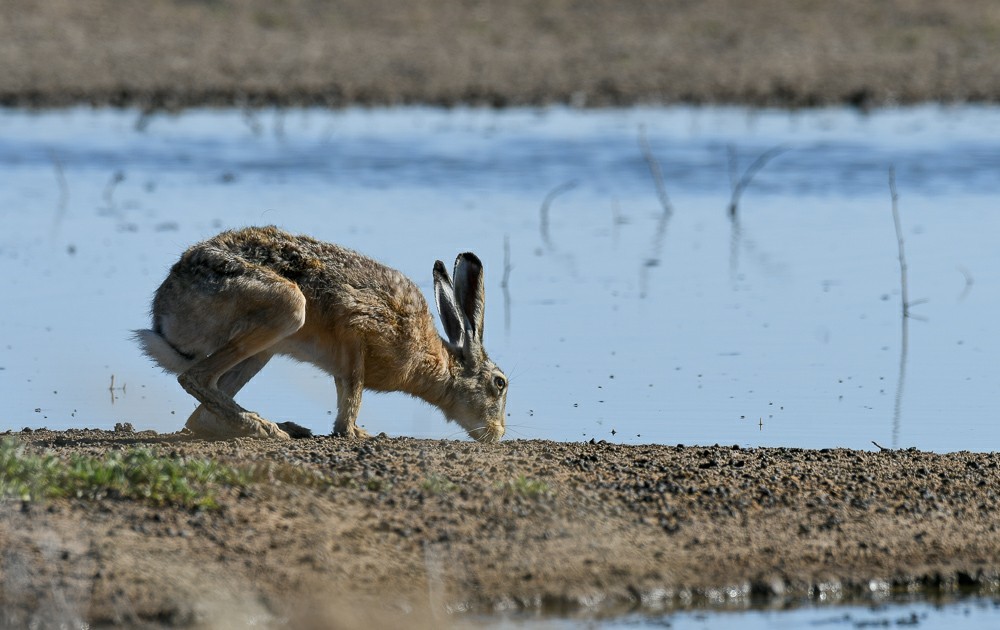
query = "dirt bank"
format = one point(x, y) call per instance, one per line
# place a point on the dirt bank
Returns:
point(366, 531)
point(174, 53)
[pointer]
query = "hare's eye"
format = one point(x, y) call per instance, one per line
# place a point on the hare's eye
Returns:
point(500, 382)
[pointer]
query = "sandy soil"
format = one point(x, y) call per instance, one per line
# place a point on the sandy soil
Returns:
point(422, 527)
point(173, 53)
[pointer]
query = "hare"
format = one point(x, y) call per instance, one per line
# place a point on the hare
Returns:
point(232, 302)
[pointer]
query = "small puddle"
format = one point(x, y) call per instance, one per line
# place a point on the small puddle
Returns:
point(631, 313)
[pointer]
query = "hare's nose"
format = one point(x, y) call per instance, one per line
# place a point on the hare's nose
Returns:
point(496, 431)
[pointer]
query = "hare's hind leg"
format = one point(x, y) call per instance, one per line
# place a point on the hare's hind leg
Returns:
point(203, 422)
point(206, 424)
point(273, 310)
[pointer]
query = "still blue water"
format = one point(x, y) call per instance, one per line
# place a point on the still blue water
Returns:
point(621, 321)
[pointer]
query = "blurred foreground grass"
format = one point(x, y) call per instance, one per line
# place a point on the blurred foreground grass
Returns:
point(139, 474)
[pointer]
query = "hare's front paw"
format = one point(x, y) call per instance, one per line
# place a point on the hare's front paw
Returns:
point(352, 431)
point(296, 431)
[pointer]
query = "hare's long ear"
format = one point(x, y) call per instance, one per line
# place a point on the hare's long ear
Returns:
point(447, 306)
point(470, 291)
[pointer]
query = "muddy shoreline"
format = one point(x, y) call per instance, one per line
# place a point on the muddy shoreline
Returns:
point(364, 531)
point(170, 54)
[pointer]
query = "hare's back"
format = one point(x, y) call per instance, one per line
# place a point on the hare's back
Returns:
point(318, 267)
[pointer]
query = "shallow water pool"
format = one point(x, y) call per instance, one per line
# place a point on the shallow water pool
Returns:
point(971, 614)
point(624, 318)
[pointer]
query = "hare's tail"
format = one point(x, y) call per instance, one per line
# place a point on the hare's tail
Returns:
point(162, 351)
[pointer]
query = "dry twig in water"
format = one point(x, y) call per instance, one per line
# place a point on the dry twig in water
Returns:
point(543, 219)
point(906, 306)
point(109, 190)
point(903, 285)
point(899, 240)
point(659, 236)
point(63, 187)
point(969, 280)
point(505, 283)
point(655, 171)
point(740, 184)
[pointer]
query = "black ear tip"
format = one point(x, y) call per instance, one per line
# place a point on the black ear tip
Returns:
point(439, 268)
point(469, 257)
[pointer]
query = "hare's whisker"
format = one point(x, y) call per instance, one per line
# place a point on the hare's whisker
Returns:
point(518, 433)
point(521, 426)
point(515, 373)
point(454, 434)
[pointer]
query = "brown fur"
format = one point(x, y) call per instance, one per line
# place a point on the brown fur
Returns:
point(235, 300)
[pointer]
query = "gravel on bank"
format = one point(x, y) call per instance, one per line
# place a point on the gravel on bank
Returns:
point(177, 53)
point(365, 531)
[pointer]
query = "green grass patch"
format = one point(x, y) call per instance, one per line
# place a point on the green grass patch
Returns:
point(436, 484)
point(525, 487)
point(138, 474)
point(376, 484)
point(278, 473)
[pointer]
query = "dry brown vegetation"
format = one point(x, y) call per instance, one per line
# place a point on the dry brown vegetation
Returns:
point(170, 53)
